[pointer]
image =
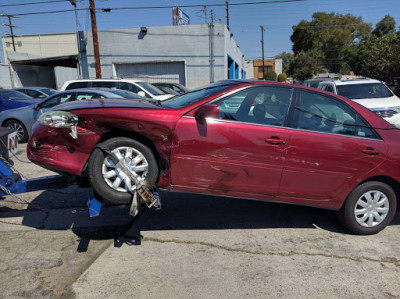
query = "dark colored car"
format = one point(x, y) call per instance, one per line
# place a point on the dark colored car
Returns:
point(11, 99)
point(37, 92)
point(22, 119)
point(179, 88)
point(250, 139)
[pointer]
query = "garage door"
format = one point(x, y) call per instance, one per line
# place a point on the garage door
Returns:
point(173, 72)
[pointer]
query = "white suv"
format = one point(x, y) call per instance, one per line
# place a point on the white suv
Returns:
point(370, 93)
point(139, 87)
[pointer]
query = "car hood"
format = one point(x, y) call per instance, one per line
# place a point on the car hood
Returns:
point(108, 103)
point(376, 103)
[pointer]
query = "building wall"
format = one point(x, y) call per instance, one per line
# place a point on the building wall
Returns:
point(188, 43)
point(5, 80)
point(44, 45)
point(234, 53)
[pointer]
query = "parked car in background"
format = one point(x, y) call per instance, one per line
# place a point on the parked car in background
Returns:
point(179, 88)
point(273, 141)
point(315, 81)
point(22, 119)
point(139, 87)
point(36, 92)
point(10, 99)
point(373, 94)
point(168, 90)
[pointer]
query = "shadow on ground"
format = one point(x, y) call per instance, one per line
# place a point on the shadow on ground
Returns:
point(66, 209)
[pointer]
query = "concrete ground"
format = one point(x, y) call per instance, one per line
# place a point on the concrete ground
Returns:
point(195, 247)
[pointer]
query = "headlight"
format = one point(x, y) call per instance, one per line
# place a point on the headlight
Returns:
point(58, 119)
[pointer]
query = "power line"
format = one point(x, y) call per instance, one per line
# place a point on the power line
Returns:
point(32, 3)
point(159, 7)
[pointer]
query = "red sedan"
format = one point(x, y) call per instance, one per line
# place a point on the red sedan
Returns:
point(249, 139)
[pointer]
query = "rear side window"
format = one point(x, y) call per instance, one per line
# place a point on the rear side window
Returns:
point(104, 84)
point(76, 85)
point(87, 96)
point(319, 113)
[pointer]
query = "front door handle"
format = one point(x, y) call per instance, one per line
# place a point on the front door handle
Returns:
point(275, 140)
point(370, 151)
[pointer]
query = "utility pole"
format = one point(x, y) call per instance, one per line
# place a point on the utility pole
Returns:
point(95, 39)
point(211, 44)
point(227, 14)
point(262, 47)
point(11, 28)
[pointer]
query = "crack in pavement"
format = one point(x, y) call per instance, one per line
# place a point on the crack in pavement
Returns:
point(386, 260)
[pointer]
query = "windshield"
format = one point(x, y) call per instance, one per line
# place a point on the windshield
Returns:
point(48, 91)
point(150, 88)
point(14, 95)
point(196, 95)
point(126, 94)
point(364, 91)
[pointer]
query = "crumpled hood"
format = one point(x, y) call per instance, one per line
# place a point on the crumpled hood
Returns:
point(108, 103)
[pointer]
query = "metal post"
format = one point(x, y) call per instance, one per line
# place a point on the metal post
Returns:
point(95, 39)
point(227, 14)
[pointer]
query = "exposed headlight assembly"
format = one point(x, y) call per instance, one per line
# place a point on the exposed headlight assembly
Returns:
point(60, 119)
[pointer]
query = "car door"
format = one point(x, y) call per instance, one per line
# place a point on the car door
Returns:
point(332, 149)
point(241, 152)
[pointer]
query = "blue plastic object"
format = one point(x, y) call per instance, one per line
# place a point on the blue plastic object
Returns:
point(94, 207)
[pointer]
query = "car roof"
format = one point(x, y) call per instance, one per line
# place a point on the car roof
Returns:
point(356, 81)
point(105, 80)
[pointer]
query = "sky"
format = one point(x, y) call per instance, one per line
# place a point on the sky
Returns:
point(245, 21)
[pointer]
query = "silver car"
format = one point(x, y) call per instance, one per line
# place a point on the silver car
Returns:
point(22, 119)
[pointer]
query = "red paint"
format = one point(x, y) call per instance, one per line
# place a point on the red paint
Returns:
point(225, 157)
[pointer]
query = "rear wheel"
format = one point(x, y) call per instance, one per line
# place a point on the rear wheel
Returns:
point(369, 208)
point(16, 125)
point(108, 181)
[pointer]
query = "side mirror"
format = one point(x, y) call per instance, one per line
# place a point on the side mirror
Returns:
point(36, 107)
point(205, 111)
point(141, 93)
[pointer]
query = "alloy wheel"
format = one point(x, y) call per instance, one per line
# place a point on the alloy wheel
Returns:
point(371, 208)
point(18, 128)
point(131, 158)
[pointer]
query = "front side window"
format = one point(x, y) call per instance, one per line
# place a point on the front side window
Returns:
point(258, 105)
point(320, 113)
point(129, 87)
point(14, 95)
point(56, 100)
point(87, 96)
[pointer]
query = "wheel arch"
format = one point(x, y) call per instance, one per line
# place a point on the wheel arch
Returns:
point(138, 137)
point(395, 185)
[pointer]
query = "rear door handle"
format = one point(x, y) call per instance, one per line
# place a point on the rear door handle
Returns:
point(370, 151)
point(275, 140)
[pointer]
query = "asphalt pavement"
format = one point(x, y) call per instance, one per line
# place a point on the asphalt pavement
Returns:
point(195, 247)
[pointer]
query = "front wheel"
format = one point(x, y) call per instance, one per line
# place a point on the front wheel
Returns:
point(108, 181)
point(22, 133)
point(369, 208)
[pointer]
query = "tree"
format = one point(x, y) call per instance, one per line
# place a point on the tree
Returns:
point(270, 75)
point(287, 59)
point(307, 64)
point(385, 26)
point(330, 34)
point(282, 77)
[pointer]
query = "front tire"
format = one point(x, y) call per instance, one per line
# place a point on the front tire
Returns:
point(110, 183)
point(16, 125)
point(369, 208)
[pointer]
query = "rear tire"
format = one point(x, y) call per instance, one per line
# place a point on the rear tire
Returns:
point(16, 125)
point(369, 208)
point(109, 183)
